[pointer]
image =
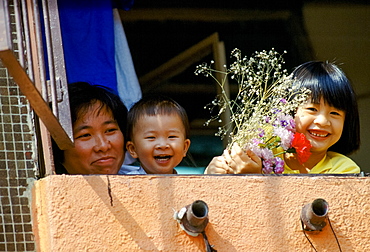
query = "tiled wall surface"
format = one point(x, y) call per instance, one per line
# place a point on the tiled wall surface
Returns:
point(17, 166)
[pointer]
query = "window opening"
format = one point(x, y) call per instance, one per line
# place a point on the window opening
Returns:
point(210, 45)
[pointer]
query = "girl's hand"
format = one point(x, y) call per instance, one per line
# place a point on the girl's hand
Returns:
point(242, 162)
point(218, 165)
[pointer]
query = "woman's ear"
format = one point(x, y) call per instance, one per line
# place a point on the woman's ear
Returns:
point(130, 146)
point(186, 146)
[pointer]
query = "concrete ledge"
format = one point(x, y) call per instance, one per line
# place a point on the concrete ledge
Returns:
point(246, 213)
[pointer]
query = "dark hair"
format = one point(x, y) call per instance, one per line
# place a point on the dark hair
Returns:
point(328, 81)
point(82, 96)
point(155, 105)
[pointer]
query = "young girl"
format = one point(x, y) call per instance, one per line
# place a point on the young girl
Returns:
point(329, 120)
point(158, 135)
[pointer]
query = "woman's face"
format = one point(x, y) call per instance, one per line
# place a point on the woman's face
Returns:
point(98, 143)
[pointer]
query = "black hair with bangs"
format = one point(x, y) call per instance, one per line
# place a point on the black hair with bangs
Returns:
point(328, 81)
point(82, 96)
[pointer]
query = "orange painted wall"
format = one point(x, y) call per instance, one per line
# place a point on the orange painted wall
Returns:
point(246, 213)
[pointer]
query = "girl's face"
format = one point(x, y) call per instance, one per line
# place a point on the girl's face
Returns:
point(159, 143)
point(321, 124)
point(99, 144)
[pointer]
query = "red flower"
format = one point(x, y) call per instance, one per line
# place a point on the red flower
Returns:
point(302, 147)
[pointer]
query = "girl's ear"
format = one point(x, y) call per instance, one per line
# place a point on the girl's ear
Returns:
point(186, 146)
point(130, 146)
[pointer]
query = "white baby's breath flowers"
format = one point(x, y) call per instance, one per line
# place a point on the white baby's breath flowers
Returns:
point(265, 91)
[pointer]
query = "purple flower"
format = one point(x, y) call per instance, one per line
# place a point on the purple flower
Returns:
point(286, 137)
point(267, 154)
point(262, 133)
point(257, 141)
point(255, 148)
point(279, 165)
point(276, 110)
point(267, 166)
point(282, 135)
point(286, 121)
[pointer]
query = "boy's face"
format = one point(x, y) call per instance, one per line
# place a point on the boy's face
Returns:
point(159, 143)
point(321, 124)
point(98, 144)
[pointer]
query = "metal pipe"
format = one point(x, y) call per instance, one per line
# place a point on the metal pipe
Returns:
point(27, 41)
point(39, 60)
point(197, 213)
point(50, 56)
point(314, 215)
point(193, 218)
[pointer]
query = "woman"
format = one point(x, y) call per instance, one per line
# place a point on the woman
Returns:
point(99, 125)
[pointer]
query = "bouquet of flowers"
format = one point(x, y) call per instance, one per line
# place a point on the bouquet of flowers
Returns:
point(261, 113)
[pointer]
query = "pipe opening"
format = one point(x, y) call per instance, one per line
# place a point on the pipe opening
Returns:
point(199, 209)
point(320, 207)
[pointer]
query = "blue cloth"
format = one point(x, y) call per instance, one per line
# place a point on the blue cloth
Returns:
point(131, 170)
point(88, 40)
point(127, 83)
point(96, 49)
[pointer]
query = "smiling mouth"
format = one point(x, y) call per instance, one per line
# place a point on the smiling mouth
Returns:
point(162, 158)
point(319, 135)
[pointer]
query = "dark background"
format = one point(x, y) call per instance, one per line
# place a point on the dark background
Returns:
point(155, 40)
